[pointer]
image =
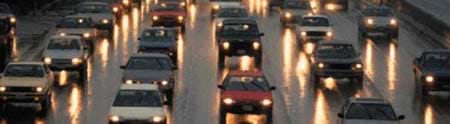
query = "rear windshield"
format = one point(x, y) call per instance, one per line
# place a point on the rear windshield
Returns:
point(315, 21)
point(335, 51)
point(89, 8)
point(24, 71)
point(75, 23)
point(232, 13)
point(138, 98)
point(167, 7)
point(296, 5)
point(378, 12)
point(243, 83)
point(63, 44)
point(370, 111)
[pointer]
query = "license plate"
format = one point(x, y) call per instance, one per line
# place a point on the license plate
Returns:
point(247, 108)
point(241, 51)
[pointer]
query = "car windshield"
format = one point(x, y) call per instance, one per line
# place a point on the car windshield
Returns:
point(335, 51)
point(149, 63)
point(437, 61)
point(370, 111)
point(75, 23)
point(158, 35)
point(4, 8)
point(233, 13)
point(24, 71)
point(63, 44)
point(296, 5)
point(87, 8)
point(315, 21)
point(239, 29)
point(244, 83)
point(138, 98)
point(167, 7)
point(378, 12)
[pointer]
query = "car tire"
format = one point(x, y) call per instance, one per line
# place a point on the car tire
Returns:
point(259, 59)
point(45, 106)
point(169, 97)
point(221, 59)
point(222, 116)
point(269, 117)
point(82, 73)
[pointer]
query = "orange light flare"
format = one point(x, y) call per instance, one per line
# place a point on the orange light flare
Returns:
point(288, 43)
point(369, 60)
point(392, 61)
point(309, 47)
point(180, 49)
point(244, 63)
point(135, 16)
point(302, 71)
point(75, 104)
point(315, 5)
point(104, 51)
point(321, 109)
point(330, 83)
point(14, 49)
point(428, 115)
point(63, 78)
point(192, 15)
point(124, 33)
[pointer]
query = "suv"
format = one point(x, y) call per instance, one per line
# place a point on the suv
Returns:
point(153, 68)
point(138, 104)
point(368, 111)
point(101, 13)
point(169, 14)
point(238, 37)
point(432, 71)
point(159, 40)
point(313, 28)
point(26, 82)
point(293, 10)
point(376, 22)
point(335, 4)
point(245, 92)
point(338, 60)
point(79, 26)
point(6, 13)
point(230, 12)
point(67, 53)
point(217, 4)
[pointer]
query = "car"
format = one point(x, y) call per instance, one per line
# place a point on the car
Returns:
point(313, 28)
point(6, 41)
point(79, 26)
point(138, 104)
point(333, 5)
point(377, 22)
point(337, 59)
point(101, 13)
point(67, 53)
point(246, 92)
point(432, 71)
point(239, 37)
point(169, 14)
point(368, 111)
point(118, 9)
point(275, 3)
point(151, 68)
point(26, 83)
point(6, 13)
point(129, 4)
point(230, 12)
point(293, 10)
point(183, 3)
point(159, 40)
point(217, 4)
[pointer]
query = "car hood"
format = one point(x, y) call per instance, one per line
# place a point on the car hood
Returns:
point(340, 61)
point(247, 95)
point(168, 13)
point(137, 112)
point(156, 44)
point(97, 16)
point(63, 54)
point(147, 75)
point(354, 121)
point(23, 81)
point(296, 12)
point(313, 28)
point(79, 31)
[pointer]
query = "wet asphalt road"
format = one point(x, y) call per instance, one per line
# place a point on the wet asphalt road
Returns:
point(388, 74)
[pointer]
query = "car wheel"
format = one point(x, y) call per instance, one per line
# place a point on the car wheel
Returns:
point(269, 117)
point(258, 59)
point(169, 96)
point(221, 61)
point(45, 105)
point(82, 75)
point(223, 116)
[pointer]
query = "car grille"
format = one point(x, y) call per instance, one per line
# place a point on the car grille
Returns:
point(241, 45)
point(316, 33)
point(20, 89)
point(61, 61)
point(168, 18)
point(340, 66)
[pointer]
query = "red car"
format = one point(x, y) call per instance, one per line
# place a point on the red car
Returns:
point(169, 14)
point(245, 92)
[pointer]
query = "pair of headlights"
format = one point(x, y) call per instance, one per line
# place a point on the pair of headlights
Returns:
point(37, 89)
point(256, 45)
point(85, 35)
point(265, 102)
point(357, 66)
point(304, 33)
point(164, 82)
point(115, 118)
point(392, 22)
point(179, 18)
point(75, 61)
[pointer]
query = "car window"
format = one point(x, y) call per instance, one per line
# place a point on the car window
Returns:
point(437, 61)
point(148, 63)
point(370, 111)
point(167, 7)
point(24, 71)
point(378, 12)
point(239, 29)
point(335, 51)
point(4, 8)
point(63, 44)
point(91, 8)
point(315, 21)
point(246, 83)
point(162, 35)
point(75, 23)
point(296, 5)
point(138, 98)
point(232, 13)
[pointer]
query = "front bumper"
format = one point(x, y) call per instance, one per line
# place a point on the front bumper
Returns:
point(440, 84)
point(375, 31)
point(246, 108)
point(338, 73)
point(67, 65)
point(168, 23)
point(6, 98)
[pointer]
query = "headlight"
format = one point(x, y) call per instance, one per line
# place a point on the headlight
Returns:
point(183, 4)
point(129, 81)
point(256, 45)
point(115, 9)
point(12, 20)
point(114, 118)
point(216, 7)
point(393, 22)
point(226, 45)
point(62, 34)
point(266, 102)
point(287, 15)
point(303, 33)
point(2, 89)
point(180, 18)
point(157, 119)
point(329, 34)
point(369, 21)
point(126, 2)
point(47, 60)
point(39, 89)
point(358, 66)
point(321, 65)
point(86, 35)
point(429, 78)
point(155, 18)
point(105, 21)
point(228, 101)
point(76, 61)
point(220, 24)
point(164, 82)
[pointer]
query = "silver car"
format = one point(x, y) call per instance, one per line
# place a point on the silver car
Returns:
point(368, 111)
point(101, 13)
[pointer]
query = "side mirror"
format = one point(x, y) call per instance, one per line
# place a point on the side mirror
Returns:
point(272, 88)
point(340, 115)
point(261, 34)
point(220, 86)
point(401, 117)
point(122, 67)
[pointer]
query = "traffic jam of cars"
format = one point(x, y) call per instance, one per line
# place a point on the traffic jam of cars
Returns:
point(149, 74)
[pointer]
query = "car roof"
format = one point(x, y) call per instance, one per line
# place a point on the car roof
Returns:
point(26, 63)
point(95, 3)
point(317, 16)
point(239, 20)
point(368, 100)
point(65, 37)
point(254, 73)
point(150, 55)
point(437, 51)
point(139, 87)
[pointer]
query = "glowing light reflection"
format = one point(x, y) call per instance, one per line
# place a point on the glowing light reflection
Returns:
point(428, 115)
point(392, 67)
point(75, 105)
point(321, 109)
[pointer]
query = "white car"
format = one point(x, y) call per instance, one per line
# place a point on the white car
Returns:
point(101, 13)
point(138, 103)
point(77, 25)
point(230, 12)
point(26, 83)
point(313, 28)
point(67, 53)
point(368, 111)
point(217, 4)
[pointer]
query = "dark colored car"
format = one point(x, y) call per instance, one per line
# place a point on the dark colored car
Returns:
point(368, 111)
point(432, 71)
point(6, 13)
point(239, 37)
point(377, 22)
point(275, 3)
point(183, 3)
point(159, 40)
point(338, 60)
point(6, 40)
point(335, 4)
point(246, 92)
point(169, 14)
point(293, 10)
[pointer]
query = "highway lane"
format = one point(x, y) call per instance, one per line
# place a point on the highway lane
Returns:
point(388, 69)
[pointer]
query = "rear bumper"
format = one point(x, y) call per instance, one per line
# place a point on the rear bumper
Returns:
point(383, 30)
point(241, 52)
point(7, 98)
point(67, 67)
point(438, 85)
point(246, 108)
